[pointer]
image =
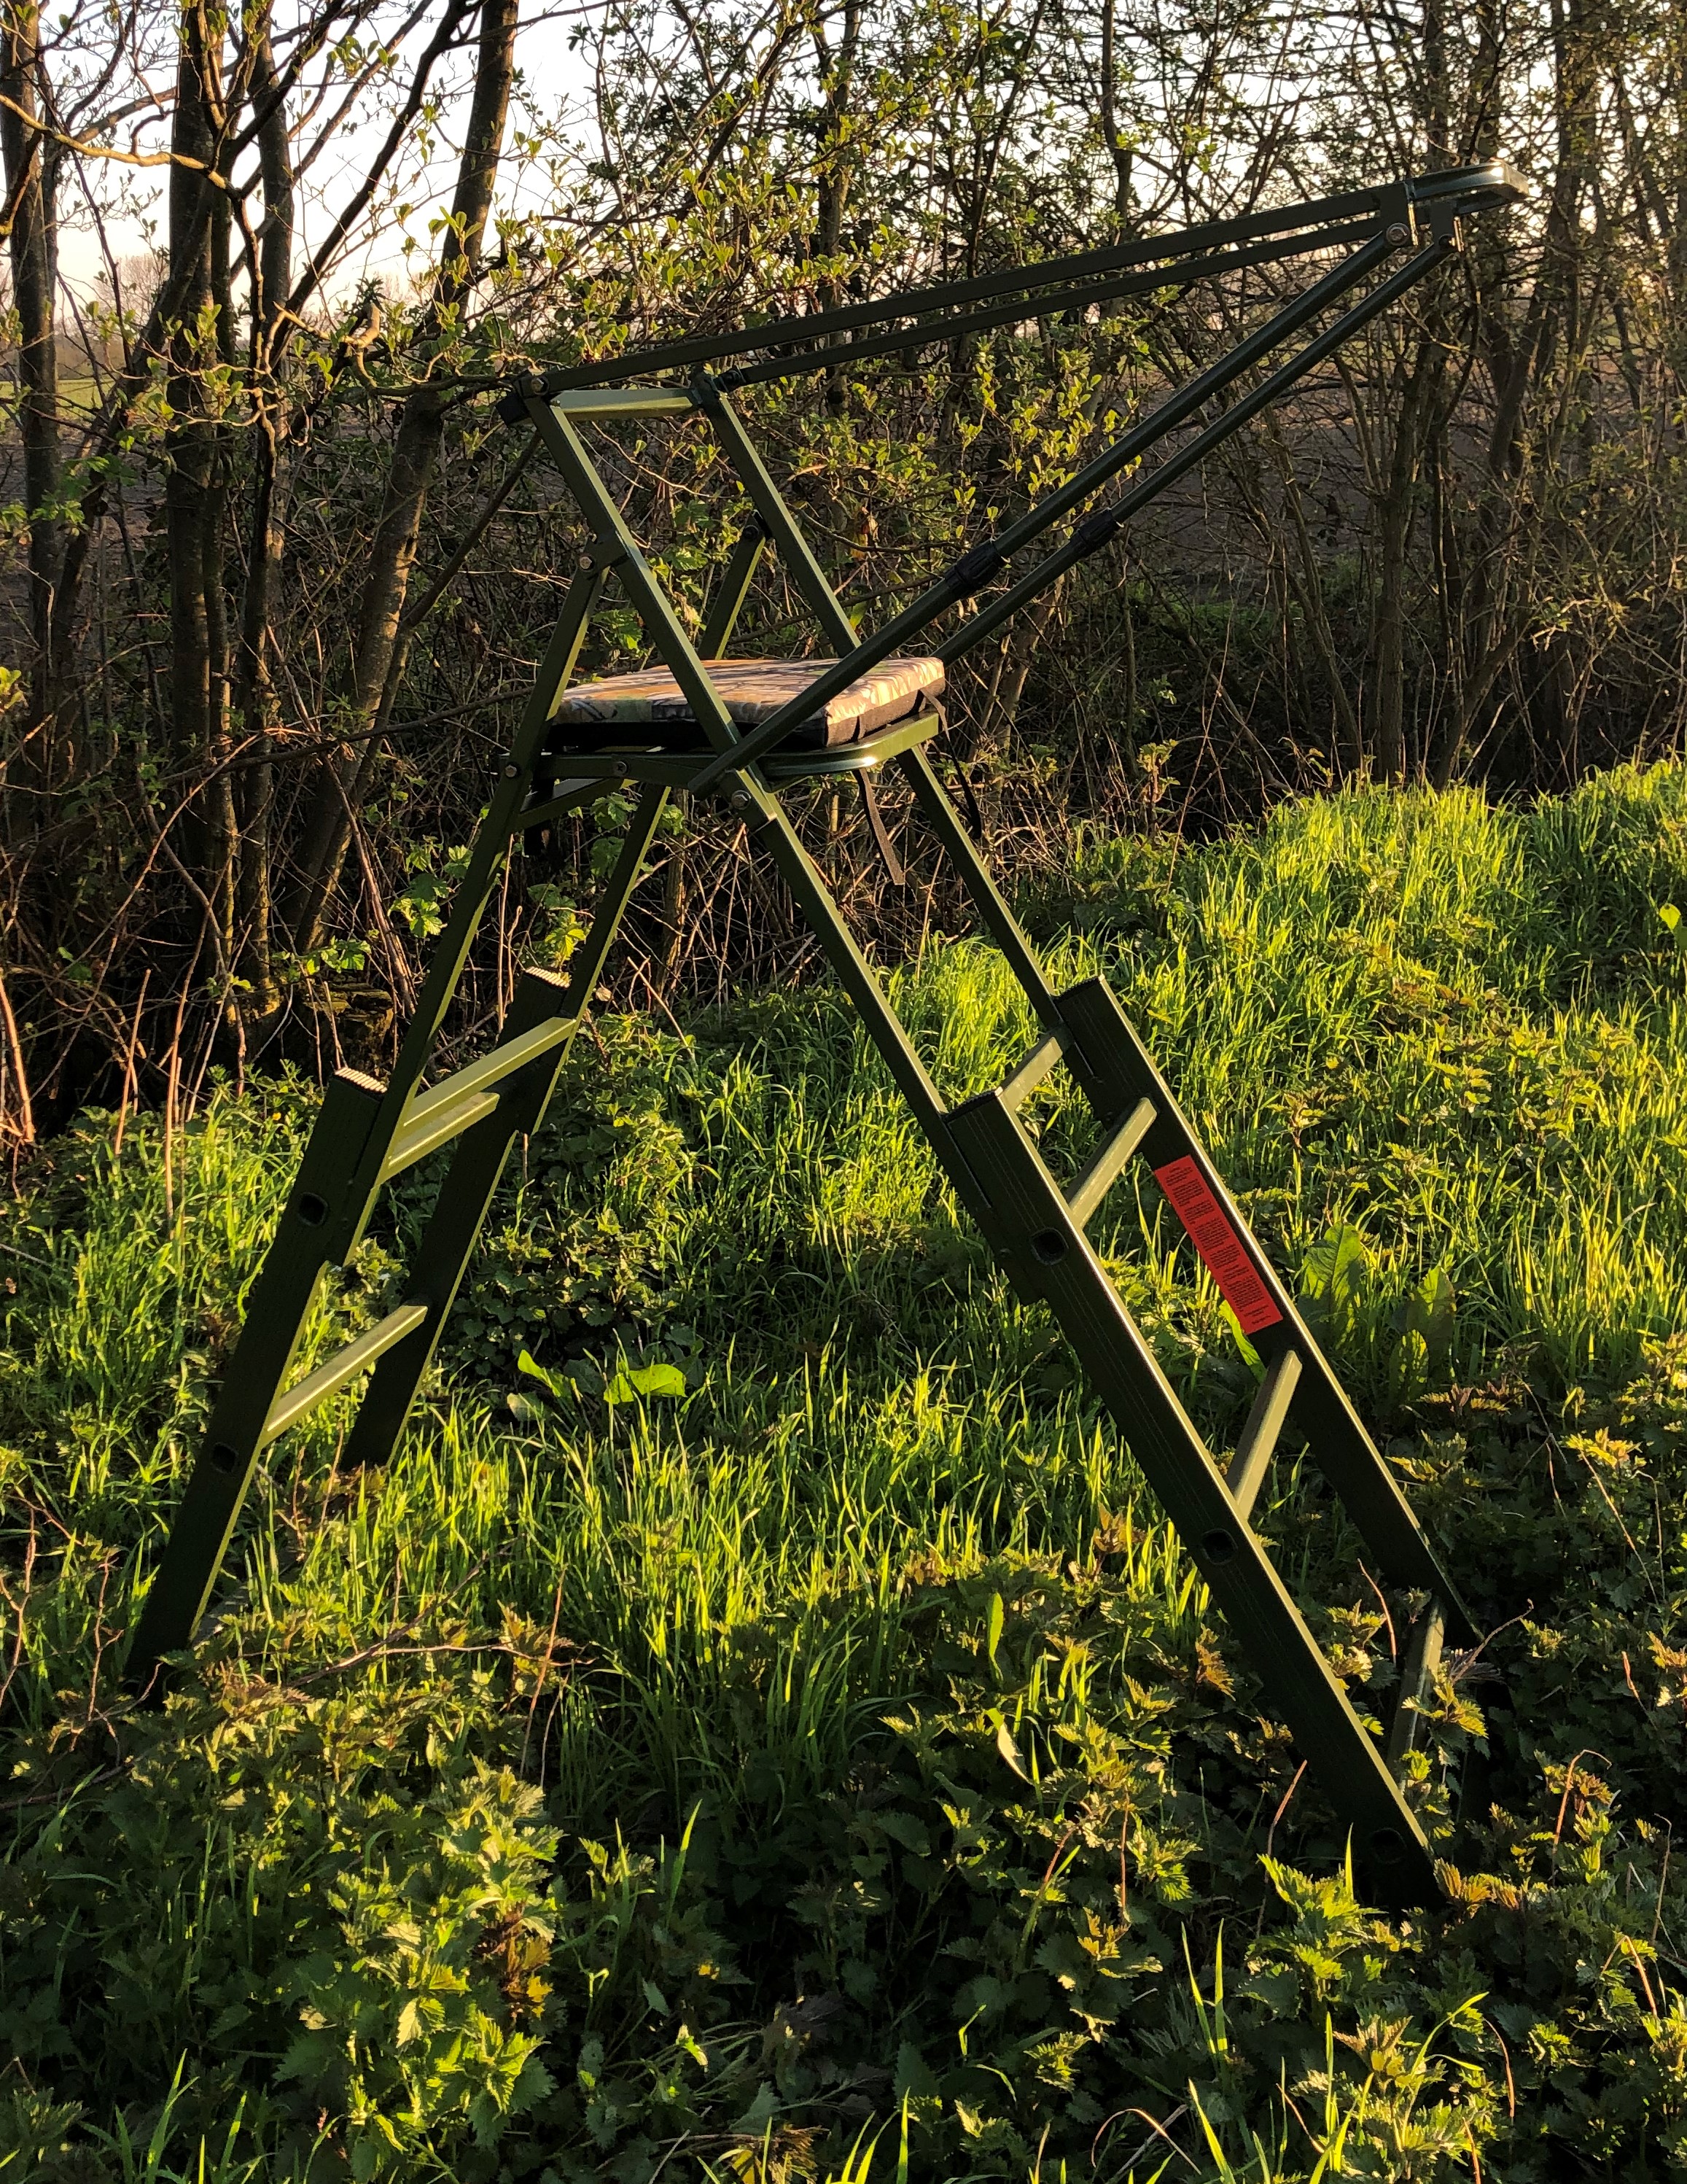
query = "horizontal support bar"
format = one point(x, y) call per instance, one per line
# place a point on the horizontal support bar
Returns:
point(590, 402)
point(568, 796)
point(1254, 1449)
point(1034, 1068)
point(344, 1365)
point(1103, 1172)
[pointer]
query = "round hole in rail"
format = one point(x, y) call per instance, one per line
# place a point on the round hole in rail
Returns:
point(1388, 1845)
point(312, 1209)
point(223, 1457)
point(1218, 1545)
point(1049, 1245)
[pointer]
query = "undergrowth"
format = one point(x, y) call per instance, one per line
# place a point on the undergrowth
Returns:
point(759, 1726)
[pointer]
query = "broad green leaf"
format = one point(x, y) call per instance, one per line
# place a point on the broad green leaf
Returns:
point(551, 1381)
point(633, 1381)
point(993, 1636)
point(1335, 1266)
point(1431, 1310)
point(1011, 1751)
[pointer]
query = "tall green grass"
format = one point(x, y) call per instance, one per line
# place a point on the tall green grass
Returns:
point(1455, 1031)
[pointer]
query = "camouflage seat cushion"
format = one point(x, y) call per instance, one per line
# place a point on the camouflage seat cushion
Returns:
point(649, 709)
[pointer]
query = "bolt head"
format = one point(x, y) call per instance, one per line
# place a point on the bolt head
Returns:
point(1399, 232)
point(739, 799)
point(512, 772)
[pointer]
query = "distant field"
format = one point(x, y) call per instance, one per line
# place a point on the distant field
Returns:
point(817, 1758)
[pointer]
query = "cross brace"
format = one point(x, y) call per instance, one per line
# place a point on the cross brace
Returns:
point(367, 1133)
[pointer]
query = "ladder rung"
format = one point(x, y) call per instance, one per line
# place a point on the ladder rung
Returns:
point(422, 1135)
point(1254, 1449)
point(449, 1107)
point(1034, 1068)
point(1416, 1678)
point(1103, 1172)
point(316, 1387)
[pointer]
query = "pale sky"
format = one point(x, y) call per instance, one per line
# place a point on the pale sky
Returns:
point(555, 79)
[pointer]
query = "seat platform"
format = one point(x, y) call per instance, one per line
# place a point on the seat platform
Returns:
point(648, 709)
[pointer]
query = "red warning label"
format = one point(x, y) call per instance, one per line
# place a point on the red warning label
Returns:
point(1220, 1247)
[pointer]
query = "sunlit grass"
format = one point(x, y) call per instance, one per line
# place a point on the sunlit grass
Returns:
point(1460, 1030)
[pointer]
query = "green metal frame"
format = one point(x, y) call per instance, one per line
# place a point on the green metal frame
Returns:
point(1036, 1226)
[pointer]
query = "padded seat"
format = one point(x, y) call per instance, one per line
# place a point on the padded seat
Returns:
point(648, 709)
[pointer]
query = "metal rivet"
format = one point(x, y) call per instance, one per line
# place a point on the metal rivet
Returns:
point(1218, 1545)
point(1049, 1245)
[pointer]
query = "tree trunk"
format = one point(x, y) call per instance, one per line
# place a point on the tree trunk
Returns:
point(835, 168)
point(190, 441)
point(1395, 517)
point(31, 167)
point(254, 679)
point(1120, 149)
point(378, 661)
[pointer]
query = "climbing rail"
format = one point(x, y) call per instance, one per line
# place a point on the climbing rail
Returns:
point(744, 730)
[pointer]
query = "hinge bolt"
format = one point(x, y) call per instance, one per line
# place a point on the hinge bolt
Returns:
point(739, 799)
point(1399, 232)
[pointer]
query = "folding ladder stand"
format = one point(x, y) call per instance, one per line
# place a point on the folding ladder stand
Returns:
point(685, 729)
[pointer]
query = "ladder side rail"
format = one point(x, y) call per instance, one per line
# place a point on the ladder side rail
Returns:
point(453, 1229)
point(1105, 523)
point(976, 568)
point(790, 545)
point(1047, 1254)
point(475, 888)
point(773, 831)
point(990, 905)
point(1492, 182)
point(277, 1307)
point(1345, 1452)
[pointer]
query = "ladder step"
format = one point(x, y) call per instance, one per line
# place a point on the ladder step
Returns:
point(1034, 1068)
point(1103, 1172)
point(448, 1108)
point(1254, 1449)
point(423, 1134)
point(344, 1365)
point(1417, 1680)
